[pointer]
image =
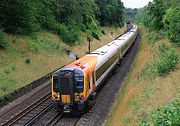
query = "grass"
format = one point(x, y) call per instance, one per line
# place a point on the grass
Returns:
point(143, 93)
point(28, 58)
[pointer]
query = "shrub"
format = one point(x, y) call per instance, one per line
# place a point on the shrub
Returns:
point(43, 44)
point(155, 36)
point(91, 26)
point(171, 22)
point(3, 42)
point(69, 33)
point(7, 84)
point(28, 61)
point(167, 115)
point(167, 61)
point(103, 32)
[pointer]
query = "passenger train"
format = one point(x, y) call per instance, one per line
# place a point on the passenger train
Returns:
point(74, 86)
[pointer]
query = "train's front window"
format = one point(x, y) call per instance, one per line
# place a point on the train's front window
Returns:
point(55, 84)
point(78, 84)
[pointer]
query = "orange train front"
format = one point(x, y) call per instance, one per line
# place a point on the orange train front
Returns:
point(74, 86)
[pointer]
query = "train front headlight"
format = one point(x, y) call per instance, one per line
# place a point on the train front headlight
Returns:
point(77, 97)
point(57, 96)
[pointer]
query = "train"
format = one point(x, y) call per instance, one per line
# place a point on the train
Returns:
point(74, 86)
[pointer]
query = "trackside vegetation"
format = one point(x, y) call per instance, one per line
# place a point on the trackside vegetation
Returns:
point(67, 18)
point(162, 16)
point(166, 62)
point(3, 42)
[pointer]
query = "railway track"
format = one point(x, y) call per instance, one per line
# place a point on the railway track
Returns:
point(28, 111)
point(53, 118)
point(29, 100)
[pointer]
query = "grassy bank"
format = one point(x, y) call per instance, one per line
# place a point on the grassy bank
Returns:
point(28, 58)
point(151, 92)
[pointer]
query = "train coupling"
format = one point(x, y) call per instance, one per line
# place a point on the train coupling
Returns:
point(67, 109)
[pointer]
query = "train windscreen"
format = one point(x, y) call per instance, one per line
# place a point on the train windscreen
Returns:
point(65, 85)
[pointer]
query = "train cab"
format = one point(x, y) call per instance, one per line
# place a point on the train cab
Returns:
point(68, 86)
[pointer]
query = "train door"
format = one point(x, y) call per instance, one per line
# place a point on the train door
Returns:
point(90, 82)
point(94, 80)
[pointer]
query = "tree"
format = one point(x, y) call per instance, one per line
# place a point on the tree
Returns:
point(110, 12)
point(18, 16)
point(172, 25)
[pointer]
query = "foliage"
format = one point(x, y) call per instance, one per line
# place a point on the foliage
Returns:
point(91, 26)
point(28, 61)
point(18, 16)
point(167, 115)
point(156, 11)
point(110, 12)
point(43, 44)
point(64, 17)
point(171, 21)
point(6, 85)
point(3, 43)
point(130, 13)
point(162, 15)
point(47, 12)
point(155, 36)
point(69, 33)
point(167, 61)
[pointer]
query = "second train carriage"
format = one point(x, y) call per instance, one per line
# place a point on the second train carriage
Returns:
point(74, 85)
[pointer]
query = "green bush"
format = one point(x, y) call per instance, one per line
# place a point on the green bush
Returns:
point(171, 22)
point(69, 33)
point(167, 61)
point(155, 36)
point(7, 84)
point(91, 26)
point(43, 44)
point(3, 43)
point(167, 115)
point(27, 61)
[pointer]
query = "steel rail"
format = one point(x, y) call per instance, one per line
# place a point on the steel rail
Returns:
point(24, 101)
point(54, 120)
point(39, 115)
point(27, 110)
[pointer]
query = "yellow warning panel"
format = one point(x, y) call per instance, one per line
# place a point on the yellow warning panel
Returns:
point(66, 99)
